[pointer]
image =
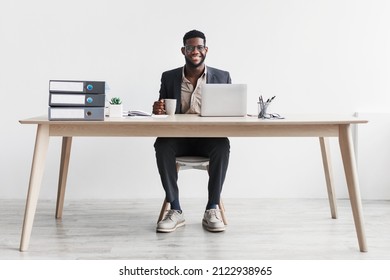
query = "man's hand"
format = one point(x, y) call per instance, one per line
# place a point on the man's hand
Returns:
point(159, 107)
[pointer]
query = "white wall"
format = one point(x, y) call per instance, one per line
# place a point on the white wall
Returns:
point(314, 55)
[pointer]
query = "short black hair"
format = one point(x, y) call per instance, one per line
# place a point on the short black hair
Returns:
point(194, 34)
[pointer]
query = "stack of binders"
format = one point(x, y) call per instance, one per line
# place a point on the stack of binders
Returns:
point(76, 100)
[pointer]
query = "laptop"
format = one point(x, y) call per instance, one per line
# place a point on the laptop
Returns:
point(224, 100)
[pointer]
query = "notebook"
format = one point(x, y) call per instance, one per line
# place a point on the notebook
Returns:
point(224, 100)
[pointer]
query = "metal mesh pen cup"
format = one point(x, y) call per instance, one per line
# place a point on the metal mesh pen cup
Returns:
point(262, 110)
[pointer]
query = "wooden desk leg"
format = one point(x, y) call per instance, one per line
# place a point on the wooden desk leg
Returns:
point(64, 167)
point(348, 155)
point(37, 169)
point(324, 142)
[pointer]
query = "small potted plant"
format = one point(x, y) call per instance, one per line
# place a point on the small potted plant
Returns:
point(116, 108)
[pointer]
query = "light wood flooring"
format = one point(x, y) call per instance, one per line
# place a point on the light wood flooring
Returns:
point(273, 229)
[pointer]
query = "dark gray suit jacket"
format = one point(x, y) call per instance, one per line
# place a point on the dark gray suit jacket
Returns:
point(171, 83)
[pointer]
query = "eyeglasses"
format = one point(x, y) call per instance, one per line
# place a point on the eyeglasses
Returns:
point(270, 116)
point(190, 48)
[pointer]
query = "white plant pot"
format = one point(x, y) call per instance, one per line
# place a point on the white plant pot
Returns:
point(116, 111)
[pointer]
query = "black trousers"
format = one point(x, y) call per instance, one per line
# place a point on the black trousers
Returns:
point(216, 149)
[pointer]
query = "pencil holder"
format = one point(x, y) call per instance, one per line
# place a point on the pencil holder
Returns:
point(262, 110)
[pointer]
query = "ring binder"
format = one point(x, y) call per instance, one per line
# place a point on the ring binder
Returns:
point(76, 100)
point(68, 86)
point(76, 114)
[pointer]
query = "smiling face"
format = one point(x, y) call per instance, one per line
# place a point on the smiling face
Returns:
point(194, 52)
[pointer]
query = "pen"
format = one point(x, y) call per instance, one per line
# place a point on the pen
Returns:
point(261, 101)
point(269, 100)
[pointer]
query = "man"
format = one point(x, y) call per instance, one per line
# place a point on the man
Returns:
point(185, 85)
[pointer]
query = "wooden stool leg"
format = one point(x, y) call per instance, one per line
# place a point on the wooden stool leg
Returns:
point(164, 208)
point(222, 208)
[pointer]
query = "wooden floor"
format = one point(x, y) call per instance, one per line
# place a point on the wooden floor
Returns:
point(273, 229)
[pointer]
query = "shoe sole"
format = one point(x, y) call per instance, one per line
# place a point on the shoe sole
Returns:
point(211, 229)
point(167, 230)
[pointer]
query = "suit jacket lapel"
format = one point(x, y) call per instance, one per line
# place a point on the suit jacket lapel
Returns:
point(210, 77)
point(177, 86)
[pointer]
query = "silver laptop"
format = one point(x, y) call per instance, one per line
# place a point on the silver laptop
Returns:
point(224, 100)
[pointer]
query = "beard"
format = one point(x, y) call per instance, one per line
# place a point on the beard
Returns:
point(190, 64)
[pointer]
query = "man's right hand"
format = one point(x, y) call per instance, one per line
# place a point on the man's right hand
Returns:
point(159, 107)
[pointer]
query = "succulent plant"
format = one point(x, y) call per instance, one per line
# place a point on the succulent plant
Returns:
point(115, 101)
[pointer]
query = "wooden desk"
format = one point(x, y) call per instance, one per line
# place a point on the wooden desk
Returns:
point(195, 126)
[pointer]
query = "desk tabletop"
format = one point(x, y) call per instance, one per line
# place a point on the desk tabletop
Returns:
point(192, 119)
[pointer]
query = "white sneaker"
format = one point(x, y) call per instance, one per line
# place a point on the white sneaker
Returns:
point(172, 220)
point(212, 220)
